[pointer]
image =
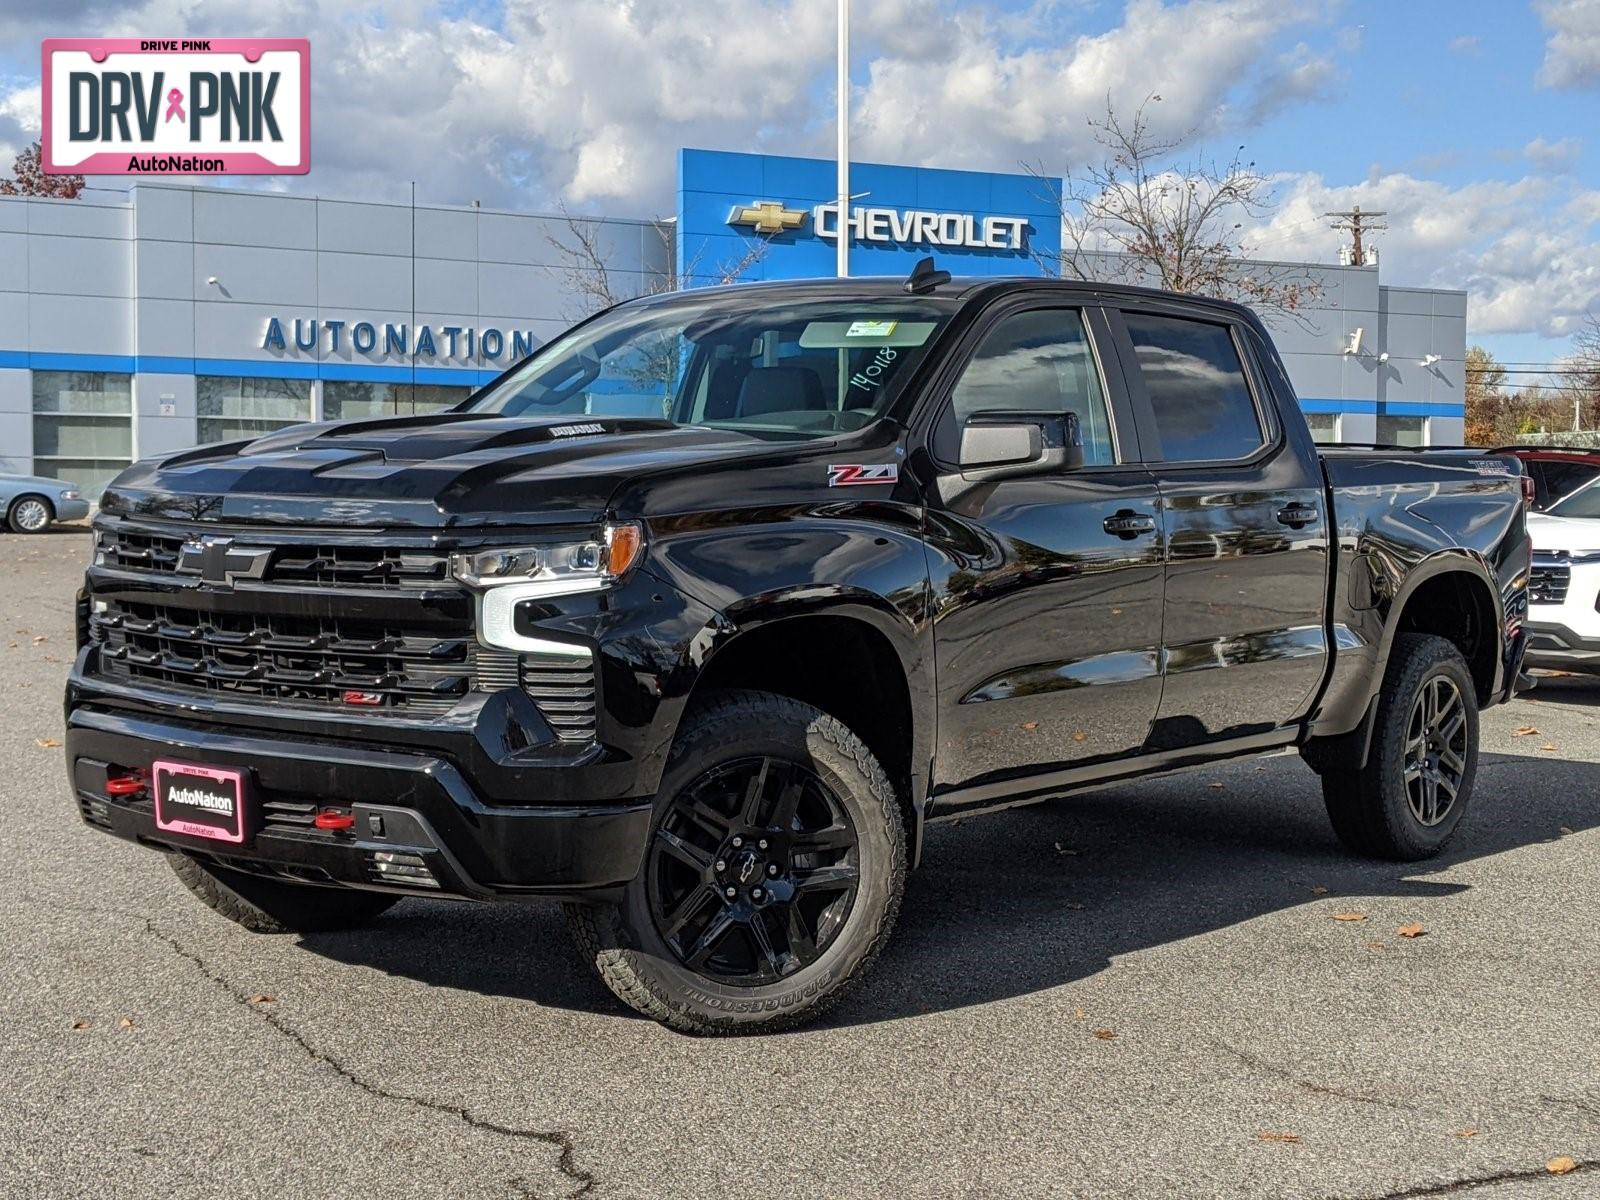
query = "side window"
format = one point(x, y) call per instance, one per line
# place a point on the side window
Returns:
point(1563, 478)
point(1197, 388)
point(1034, 362)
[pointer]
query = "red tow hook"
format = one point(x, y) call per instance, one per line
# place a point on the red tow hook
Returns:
point(125, 785)
point(335, 819)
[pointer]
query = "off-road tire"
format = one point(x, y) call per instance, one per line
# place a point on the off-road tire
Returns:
point(621, 942)
point(1369, 808)
point(272, 906)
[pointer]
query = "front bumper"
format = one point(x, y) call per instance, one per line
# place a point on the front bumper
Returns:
point(414, 807)
point(1565, 634)
point(71, 510)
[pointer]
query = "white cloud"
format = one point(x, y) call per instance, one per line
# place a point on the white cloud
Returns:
point(1572, 49)
point(1560, 155)
point(1525, 250)
point(1467, 43)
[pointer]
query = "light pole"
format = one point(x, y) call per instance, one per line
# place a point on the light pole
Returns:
point(842, 219)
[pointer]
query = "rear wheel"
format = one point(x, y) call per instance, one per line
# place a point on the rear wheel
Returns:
point(30, 514)
point(273, 906)
point(773, 875)
point(1407, 802)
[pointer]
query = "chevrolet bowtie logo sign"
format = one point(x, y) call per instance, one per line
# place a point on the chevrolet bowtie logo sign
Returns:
point(767, 216)
point(220, 563)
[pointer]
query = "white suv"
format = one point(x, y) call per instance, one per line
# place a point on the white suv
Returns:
point(1564, 593)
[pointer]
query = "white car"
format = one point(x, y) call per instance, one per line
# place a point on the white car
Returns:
point(1564, 593)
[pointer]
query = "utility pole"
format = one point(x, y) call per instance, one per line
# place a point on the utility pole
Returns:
point(842, 220)
point(1355, 223)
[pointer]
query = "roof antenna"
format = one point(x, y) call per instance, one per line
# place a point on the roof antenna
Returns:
point(925, 277)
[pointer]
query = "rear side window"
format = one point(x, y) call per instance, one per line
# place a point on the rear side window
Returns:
point(1038, 361)
point(1203, 408)
point(1562, 478)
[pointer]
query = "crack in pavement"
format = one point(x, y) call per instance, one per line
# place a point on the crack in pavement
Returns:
point(567, 1163)
point(1525, 1175)
point(1316, 1089)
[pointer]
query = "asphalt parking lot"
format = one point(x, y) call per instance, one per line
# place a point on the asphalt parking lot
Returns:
point(1140, 993)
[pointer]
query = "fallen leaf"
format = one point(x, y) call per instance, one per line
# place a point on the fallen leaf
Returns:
point(46, 743)
point(1079, 1013)
point(40, 638)
point(1105, 1035)
point(1375, 946)
point(263, 998)
point(1566, 832)
point(78, 1025)
point(1524, 731)
point(1284, 1138)
point(1547, 746)
point(1319, 889)
point(1217, 787)
point(1413, 930)
point(1079, 735)
point(125, 1023)
point(1466, 1133)
point(1030, 726)
point(1060, 849)
point(1562, 1165)
point(1350, 916)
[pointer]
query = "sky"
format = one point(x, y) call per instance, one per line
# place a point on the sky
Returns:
point(1472, 123)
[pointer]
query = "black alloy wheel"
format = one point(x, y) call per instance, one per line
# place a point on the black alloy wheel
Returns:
point(752, 871)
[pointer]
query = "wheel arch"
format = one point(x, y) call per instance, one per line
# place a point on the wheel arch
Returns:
point(857, 658)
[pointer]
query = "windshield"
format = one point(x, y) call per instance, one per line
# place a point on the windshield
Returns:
point(1585, 502)
point(803, 367)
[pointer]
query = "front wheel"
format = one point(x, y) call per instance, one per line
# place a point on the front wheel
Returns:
point(1407, 802)
point(30, 514)
point(773, 875)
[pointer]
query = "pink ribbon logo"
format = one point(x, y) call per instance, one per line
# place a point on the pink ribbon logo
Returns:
point(174, 106)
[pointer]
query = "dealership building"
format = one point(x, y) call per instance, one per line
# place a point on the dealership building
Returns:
point(146, 320)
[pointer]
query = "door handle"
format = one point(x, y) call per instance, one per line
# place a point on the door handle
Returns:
point(1297, 515)
point(1128, 524)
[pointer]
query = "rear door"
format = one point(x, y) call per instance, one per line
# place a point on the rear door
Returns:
point(1244, 646)
point(1046, 588)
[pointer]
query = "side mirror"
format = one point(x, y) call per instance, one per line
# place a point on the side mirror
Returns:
point(1006, 445)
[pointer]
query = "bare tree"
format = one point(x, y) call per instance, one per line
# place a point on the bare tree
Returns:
point(1142, 216)
point(584, 256)
point(28, 178)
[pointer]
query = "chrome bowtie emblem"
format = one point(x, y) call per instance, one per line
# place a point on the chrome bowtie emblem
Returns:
point(220, 563)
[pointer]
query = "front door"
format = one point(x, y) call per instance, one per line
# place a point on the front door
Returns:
point(1244, 647)
point(1046, 589)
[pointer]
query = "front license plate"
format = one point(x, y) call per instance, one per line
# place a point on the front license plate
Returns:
point(203, 802)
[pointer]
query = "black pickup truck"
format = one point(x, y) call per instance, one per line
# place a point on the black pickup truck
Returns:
point(878, 554)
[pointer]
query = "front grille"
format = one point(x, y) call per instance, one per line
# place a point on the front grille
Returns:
point(306, 565)
point(1548, 583)
point(363, 666)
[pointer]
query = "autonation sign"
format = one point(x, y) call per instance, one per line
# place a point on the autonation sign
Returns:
point(448, 343)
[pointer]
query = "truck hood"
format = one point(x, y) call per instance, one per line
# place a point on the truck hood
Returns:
point(1572, 534)
point(447, 469)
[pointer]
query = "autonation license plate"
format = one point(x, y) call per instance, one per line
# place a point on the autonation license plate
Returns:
point(202, 802)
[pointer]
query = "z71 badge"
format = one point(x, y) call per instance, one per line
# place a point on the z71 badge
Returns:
point(851, 474)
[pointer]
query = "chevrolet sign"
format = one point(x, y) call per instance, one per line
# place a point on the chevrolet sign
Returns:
point(918, 228)
point(913, 227)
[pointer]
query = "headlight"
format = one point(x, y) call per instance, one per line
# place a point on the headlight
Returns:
point(72, 494)
point(559, 567)
point(506, 576)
